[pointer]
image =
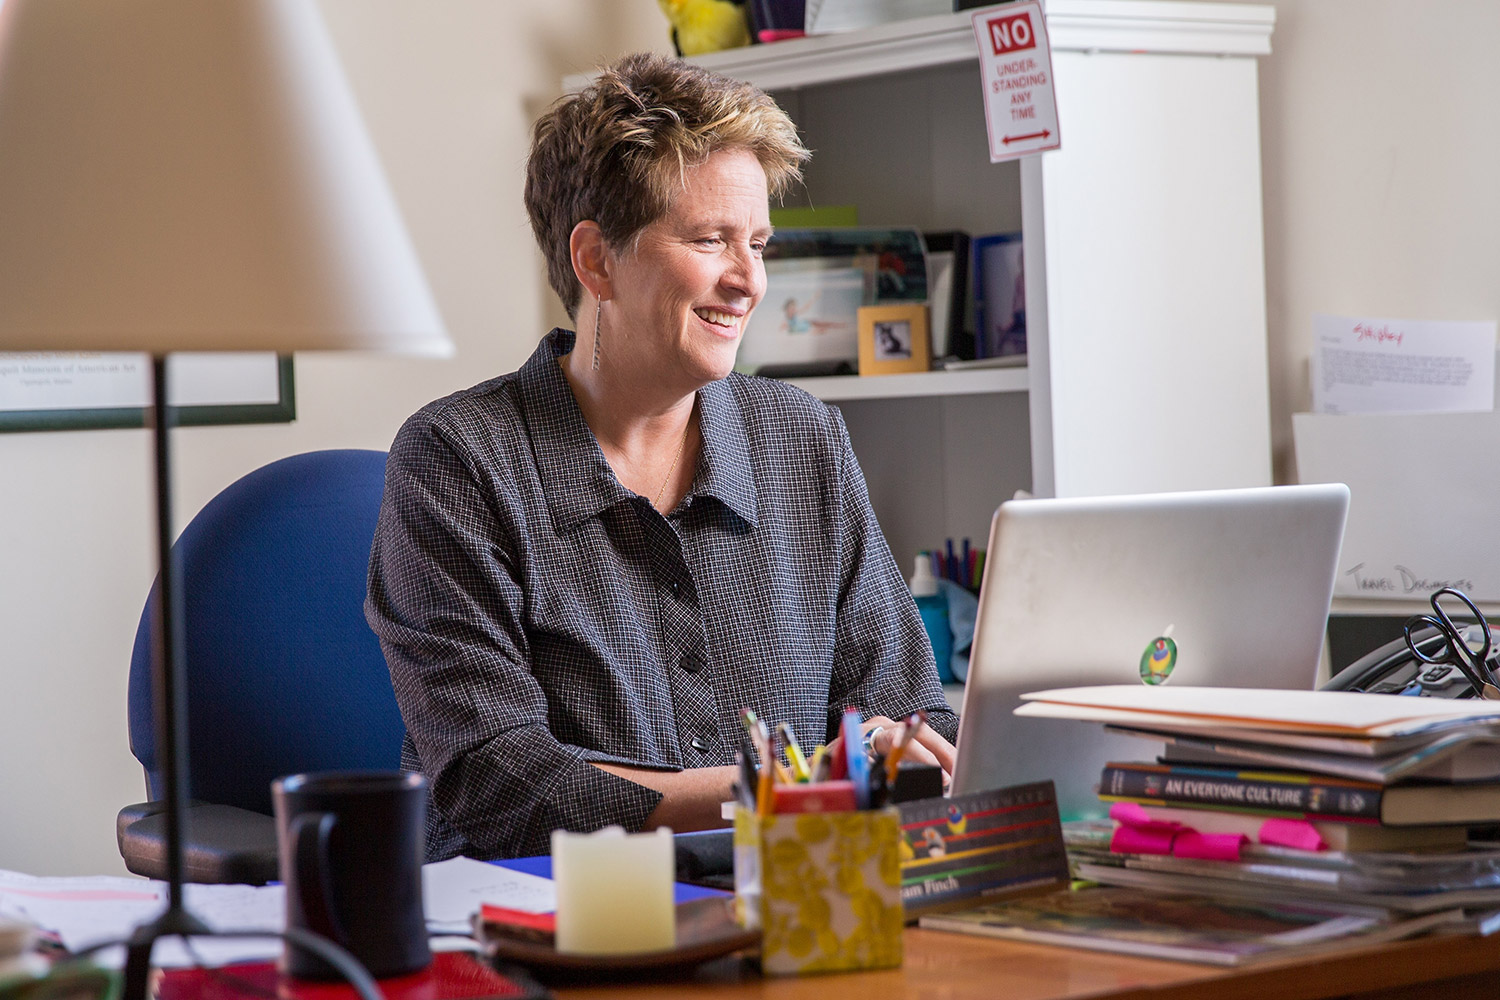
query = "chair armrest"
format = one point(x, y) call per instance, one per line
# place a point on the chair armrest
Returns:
point(220, 843)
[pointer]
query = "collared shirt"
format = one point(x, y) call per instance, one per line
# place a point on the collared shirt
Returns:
point(537, 615)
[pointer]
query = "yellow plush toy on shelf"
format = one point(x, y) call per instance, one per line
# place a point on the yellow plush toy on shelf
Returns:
point(700, 26)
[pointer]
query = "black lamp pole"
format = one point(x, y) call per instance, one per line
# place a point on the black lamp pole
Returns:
point(167, 682)
point(169, 691)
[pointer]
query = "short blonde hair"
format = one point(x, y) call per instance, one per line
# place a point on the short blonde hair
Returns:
point(617, 151)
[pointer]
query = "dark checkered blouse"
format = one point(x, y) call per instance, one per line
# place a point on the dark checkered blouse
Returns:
point(537, 615)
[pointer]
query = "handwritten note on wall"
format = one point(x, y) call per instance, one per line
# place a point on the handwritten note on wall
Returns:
point(1362, 365)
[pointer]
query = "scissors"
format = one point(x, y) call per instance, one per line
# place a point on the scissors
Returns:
point(1455, 649)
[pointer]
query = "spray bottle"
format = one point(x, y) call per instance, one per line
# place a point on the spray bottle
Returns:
point(932, 604)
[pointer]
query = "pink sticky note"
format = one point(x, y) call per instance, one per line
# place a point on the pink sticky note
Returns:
point(1297, 833)
point(1133, 814)
point(1140, 840)
point(1209, 846)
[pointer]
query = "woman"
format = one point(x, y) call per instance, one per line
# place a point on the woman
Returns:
point(585, 569)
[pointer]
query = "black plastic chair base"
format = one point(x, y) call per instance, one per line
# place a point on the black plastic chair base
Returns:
point(221, 844)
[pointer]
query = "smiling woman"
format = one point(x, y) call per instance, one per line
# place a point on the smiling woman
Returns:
point(585, 569)
point(676, 298)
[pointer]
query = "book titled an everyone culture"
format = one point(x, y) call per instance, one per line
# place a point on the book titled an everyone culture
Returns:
point(1301, 795)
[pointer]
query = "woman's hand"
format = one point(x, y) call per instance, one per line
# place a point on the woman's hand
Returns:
point(926, 747)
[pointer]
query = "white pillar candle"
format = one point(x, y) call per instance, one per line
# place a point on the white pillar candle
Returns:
point(614, 891)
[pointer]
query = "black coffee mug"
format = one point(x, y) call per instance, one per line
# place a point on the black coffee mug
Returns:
point(351, 848)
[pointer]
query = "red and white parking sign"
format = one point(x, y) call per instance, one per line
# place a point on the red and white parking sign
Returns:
point(1015, 64)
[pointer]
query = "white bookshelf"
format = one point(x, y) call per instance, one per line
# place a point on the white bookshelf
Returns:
point(1144, 258)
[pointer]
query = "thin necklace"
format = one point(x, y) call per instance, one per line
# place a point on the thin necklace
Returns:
point(675, 459)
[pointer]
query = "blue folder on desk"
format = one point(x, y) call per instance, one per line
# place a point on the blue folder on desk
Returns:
point(542, 866)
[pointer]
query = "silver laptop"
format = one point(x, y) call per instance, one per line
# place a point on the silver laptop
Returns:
point(1104, 590)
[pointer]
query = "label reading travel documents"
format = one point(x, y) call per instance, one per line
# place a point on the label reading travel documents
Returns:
point(1015, 63)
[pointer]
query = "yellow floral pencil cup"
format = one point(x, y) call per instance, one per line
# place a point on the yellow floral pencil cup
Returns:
point(824, 888)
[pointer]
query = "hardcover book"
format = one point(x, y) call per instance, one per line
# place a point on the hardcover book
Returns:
point(1300, 795)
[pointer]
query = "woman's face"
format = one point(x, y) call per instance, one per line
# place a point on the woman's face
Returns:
point(680, 299)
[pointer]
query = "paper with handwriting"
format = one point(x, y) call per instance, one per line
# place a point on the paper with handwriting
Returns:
point(1364, 365)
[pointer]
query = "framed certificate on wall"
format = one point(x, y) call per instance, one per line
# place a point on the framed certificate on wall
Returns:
point(85, 390)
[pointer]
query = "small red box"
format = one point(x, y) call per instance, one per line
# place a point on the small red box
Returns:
point(817, 797)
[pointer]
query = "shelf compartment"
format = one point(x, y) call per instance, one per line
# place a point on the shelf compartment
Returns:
point(944, 383)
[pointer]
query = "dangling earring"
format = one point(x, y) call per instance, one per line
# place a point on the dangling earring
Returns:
point(598, 311)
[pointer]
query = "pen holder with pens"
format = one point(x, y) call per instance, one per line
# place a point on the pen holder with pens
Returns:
point(824, 888)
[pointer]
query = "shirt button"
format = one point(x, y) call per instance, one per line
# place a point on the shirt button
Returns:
point(691, 663)
point(676, 586)
point(699, 745)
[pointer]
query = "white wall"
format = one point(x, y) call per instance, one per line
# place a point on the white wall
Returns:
point(448, 88)
point(1380, 136)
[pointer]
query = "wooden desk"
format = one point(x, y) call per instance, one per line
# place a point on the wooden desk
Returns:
point(944, 966)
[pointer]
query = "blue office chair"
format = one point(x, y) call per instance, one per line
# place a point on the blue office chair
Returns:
point(283, 673)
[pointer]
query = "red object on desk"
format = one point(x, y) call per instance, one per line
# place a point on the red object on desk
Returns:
point(817, 797)
point(490, 913)
point(518, 925)
point(451, 976)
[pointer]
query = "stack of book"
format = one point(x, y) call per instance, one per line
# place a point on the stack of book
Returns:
point(1272, 823)
point(1315, 795)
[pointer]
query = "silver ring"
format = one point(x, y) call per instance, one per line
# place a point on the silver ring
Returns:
point(869, 741)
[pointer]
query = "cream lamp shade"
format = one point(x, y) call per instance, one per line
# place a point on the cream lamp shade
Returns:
point(194, 175)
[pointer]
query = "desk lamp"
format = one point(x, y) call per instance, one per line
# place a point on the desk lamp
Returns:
point(191, 175)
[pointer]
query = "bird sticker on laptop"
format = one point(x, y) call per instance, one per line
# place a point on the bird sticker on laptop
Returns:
point(1159, 659)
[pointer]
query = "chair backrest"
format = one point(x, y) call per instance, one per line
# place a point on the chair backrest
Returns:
point(284, 675)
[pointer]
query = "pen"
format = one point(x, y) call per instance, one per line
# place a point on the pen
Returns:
point(760, 733)
point(748, 778)
point(765, 788)
point(773, 740)
point(817, 768)
point(908, 732)
point(855, 761)
point(760, 737)
point(880, 786)
point(793, 752)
